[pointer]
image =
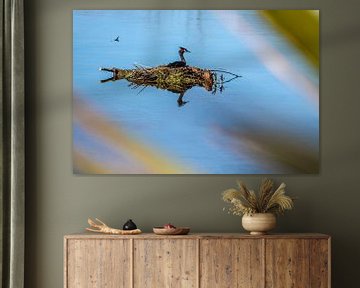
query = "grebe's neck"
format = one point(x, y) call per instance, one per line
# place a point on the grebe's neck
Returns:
point(181, 53)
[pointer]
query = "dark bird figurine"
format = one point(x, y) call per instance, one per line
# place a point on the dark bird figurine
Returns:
point(117, 39)
point(182, 62)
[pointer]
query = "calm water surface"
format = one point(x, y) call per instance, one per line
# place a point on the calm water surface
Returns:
point(264, 122)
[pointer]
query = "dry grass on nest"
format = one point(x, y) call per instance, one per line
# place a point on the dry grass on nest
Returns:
point(177, 79)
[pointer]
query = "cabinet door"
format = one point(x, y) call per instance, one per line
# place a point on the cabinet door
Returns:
point(320, 263)
point(167, 263)
point(98, 263)
point(231, 263)
point(287, 263)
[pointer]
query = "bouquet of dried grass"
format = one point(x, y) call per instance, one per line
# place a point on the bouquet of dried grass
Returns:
point(268, 200)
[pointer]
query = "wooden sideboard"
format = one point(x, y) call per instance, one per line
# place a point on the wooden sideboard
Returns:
point(197, 260)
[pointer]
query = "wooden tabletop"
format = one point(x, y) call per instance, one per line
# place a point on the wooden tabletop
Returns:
point(89, 235)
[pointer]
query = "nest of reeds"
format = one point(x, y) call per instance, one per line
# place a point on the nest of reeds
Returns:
point(176, 80)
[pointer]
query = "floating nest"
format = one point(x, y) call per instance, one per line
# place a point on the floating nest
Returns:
point(176, 80)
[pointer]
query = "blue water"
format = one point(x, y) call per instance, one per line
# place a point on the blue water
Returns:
point(250, 128)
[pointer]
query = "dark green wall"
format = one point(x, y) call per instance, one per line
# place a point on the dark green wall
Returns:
point(59, 202)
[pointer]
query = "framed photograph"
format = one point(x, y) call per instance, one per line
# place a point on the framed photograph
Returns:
point(195, 92)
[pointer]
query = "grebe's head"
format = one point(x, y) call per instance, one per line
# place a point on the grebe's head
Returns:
point(182, 50)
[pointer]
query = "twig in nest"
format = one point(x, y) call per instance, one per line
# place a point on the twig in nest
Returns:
point(101, 227)
point(224, 71)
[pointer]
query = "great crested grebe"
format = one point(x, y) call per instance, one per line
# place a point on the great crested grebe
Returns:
point(182, 62)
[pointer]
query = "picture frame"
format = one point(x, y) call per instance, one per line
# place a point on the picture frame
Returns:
point(244, 100)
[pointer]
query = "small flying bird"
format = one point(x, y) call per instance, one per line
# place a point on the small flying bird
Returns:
point(117, 39)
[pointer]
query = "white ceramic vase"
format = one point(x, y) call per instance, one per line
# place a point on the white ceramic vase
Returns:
point(259, 223)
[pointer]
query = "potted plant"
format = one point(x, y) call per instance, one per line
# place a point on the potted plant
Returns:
point(258, 210)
